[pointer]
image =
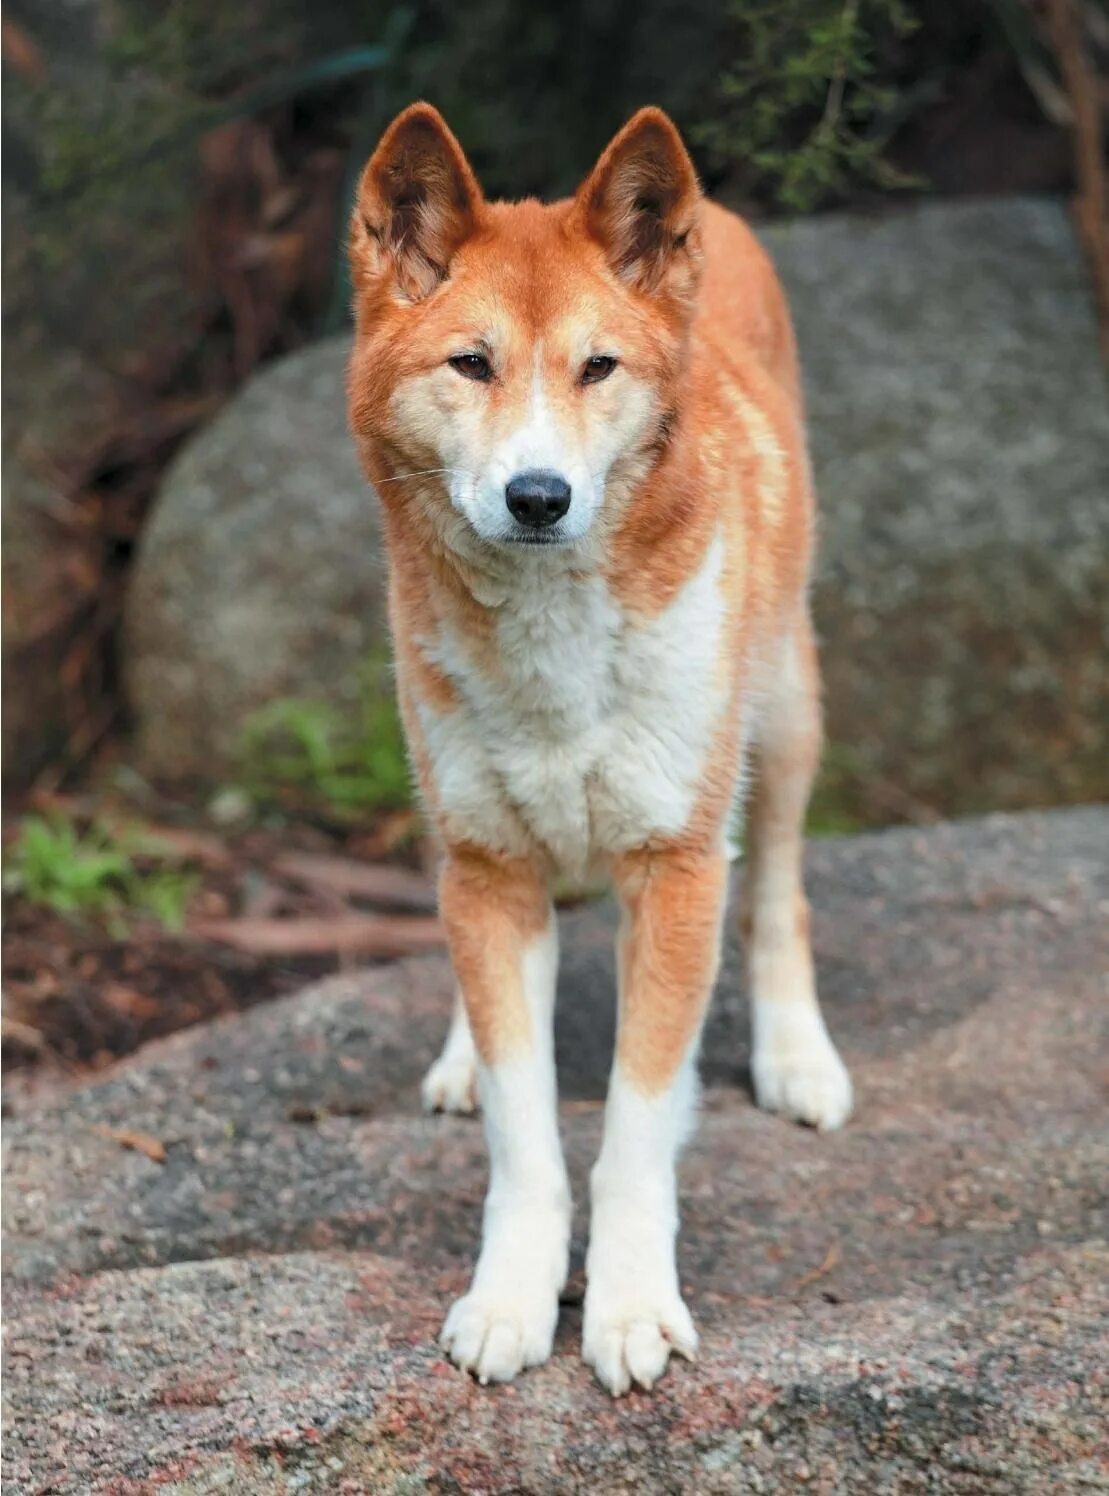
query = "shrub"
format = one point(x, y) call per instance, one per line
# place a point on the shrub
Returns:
point(805, 110)
point(93, 874)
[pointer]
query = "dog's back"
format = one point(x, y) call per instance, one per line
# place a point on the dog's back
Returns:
point(742, 310)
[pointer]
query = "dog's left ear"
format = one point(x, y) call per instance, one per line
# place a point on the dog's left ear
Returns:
point(642, 203)
point(417, 202)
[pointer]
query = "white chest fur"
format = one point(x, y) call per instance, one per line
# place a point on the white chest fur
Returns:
point(591, 736)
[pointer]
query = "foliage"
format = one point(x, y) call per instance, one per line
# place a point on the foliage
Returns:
point(113, 136)
point(535, 92)
point(833, 810)
point(93, 874)
point(309, 755)
point(806, 108)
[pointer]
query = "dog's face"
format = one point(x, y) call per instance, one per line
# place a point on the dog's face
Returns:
point(516, 365)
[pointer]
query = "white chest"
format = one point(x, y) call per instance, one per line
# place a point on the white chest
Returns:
point(592, 734)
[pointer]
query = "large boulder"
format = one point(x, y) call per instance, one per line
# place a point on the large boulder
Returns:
point(960, 427)
point(959, 411)
point(260, 575)
point(918, 1303)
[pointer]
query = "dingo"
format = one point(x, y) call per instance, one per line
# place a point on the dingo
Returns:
point(584, 424)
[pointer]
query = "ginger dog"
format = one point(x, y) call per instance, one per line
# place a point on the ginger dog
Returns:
point(584, 424)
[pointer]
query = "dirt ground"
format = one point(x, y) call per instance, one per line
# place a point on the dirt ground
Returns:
point(269, 910)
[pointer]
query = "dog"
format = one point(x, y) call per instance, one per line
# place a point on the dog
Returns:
point(584, 424)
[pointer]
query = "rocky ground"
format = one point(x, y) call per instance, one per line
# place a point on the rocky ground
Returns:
point(227, 1259)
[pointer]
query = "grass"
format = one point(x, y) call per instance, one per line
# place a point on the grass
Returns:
point(833, 809)
point(93, 875)
point(308, 755)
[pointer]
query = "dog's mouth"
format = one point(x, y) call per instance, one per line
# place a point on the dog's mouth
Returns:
point(536, 538)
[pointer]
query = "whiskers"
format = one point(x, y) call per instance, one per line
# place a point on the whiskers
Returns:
point(425, 473)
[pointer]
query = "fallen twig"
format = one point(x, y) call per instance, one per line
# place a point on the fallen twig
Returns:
point(135, 1141)
point(347, 934)
point(378, 883)
point(831, 1260)
point(203, 847)
point(22, 1033)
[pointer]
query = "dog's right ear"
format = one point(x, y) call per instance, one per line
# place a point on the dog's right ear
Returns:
point(418, 200)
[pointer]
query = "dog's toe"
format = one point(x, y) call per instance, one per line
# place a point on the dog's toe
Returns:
point(450, 1086)
point(496, 1341)
point(807, 1086)
point(632, 1343)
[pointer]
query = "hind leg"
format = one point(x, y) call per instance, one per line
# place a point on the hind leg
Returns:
point(794, 1064)
point(451, 1083)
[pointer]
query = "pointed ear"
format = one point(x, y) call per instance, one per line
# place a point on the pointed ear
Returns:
point(642, 205)
point(418, 200)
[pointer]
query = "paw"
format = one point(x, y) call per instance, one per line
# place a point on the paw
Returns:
point(496, 1339)
point(450, 1085)
point(629, 1339)
point(805, 1081)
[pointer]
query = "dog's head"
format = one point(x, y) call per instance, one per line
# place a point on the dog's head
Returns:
point(525, 357)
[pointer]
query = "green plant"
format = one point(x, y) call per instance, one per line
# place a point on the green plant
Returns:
point(806, 109)
point(310, 755)
point(93, 874)
point(164, 895)
point(833, 807)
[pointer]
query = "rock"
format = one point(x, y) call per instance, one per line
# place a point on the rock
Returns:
point(259, 575)
point(918, 1303)
point(959, 411)
point(961, 437)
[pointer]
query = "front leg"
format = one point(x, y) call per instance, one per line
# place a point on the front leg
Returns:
point(503, 943)
point(669, 951)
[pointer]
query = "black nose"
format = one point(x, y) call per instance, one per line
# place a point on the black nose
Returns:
point(537, 498)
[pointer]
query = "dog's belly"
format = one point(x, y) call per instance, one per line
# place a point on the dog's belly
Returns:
point(593, 736)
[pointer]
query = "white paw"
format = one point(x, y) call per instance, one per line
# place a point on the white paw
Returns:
point(495, 1339)
point(800, 1075)
point(628, 1336)
point(450, 1085)
point(507, 1320)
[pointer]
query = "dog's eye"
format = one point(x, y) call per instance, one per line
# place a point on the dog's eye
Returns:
point(599, 367)
point(472, 366)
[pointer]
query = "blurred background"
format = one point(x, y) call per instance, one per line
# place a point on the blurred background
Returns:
point(207, 798)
